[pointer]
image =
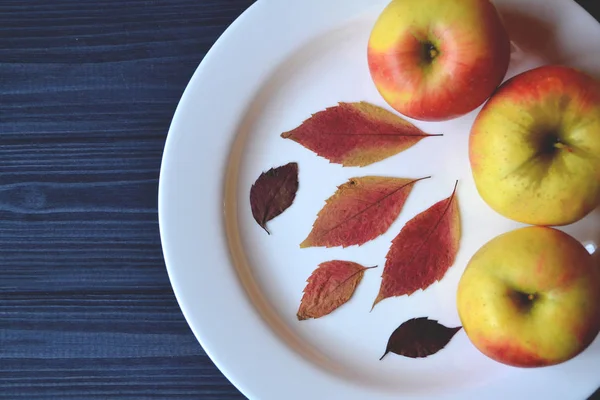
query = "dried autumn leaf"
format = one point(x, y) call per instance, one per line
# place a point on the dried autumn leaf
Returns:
point(329, 286)
point(419, 338)
point(360, 210)
point(273, 192)
point(356, 134)
point(423, 250)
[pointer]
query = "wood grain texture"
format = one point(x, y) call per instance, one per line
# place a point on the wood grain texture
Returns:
point(87, 92)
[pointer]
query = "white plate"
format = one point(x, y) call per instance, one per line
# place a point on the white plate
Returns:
point(240, 289)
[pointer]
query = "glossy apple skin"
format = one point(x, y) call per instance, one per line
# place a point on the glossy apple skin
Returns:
point(560, 321)
point(472, 52)
point(518, 170)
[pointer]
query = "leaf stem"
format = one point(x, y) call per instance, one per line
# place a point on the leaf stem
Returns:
point(455, 186)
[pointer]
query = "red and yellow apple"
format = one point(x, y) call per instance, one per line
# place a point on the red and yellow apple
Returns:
point(535, 147)
point(531, 298)
point(438, 59)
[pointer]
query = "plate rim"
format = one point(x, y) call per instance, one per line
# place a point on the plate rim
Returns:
point(168, 165)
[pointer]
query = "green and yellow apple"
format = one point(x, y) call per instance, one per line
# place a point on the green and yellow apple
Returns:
point(531, 298)
point(438, 59)
point(535, 147)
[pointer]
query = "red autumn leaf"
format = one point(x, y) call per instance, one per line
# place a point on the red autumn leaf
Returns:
point(419, 338)
point(360, 210)
point(356, 134)
point(423, 250)
point(273, 192)
point(329, 286)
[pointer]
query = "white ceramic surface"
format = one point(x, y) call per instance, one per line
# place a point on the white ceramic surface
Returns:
point(239, 288)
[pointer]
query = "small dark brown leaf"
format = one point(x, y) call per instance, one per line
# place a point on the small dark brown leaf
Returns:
point(273, 192)
point(419, 338)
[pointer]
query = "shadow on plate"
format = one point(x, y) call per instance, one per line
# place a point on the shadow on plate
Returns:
point(535, 43)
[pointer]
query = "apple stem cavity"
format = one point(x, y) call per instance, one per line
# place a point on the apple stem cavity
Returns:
point(433, 52)
point(552, 143)
point(524, 301)
point(430, 52)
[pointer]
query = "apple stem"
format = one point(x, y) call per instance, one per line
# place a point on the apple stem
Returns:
point(531, 297)
point(560, 145)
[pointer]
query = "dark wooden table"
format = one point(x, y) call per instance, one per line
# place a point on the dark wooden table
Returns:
point(87, 92)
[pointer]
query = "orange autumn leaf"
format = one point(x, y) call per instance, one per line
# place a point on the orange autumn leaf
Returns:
point(356, 134)
point(359, 211)
point(332, 284)
point(423, 251)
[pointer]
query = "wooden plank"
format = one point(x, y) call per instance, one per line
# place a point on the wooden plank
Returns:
point(87, 93)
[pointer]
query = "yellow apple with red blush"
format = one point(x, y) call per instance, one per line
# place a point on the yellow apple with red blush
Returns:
point(535, 147)
point(435, 60)
point(531, 298)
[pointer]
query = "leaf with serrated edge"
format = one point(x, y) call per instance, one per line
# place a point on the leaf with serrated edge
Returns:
point(273, 192)
point(332, 284)
point(356, 134)
point(419, 338)
point(423, 251)
point(359, 211)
